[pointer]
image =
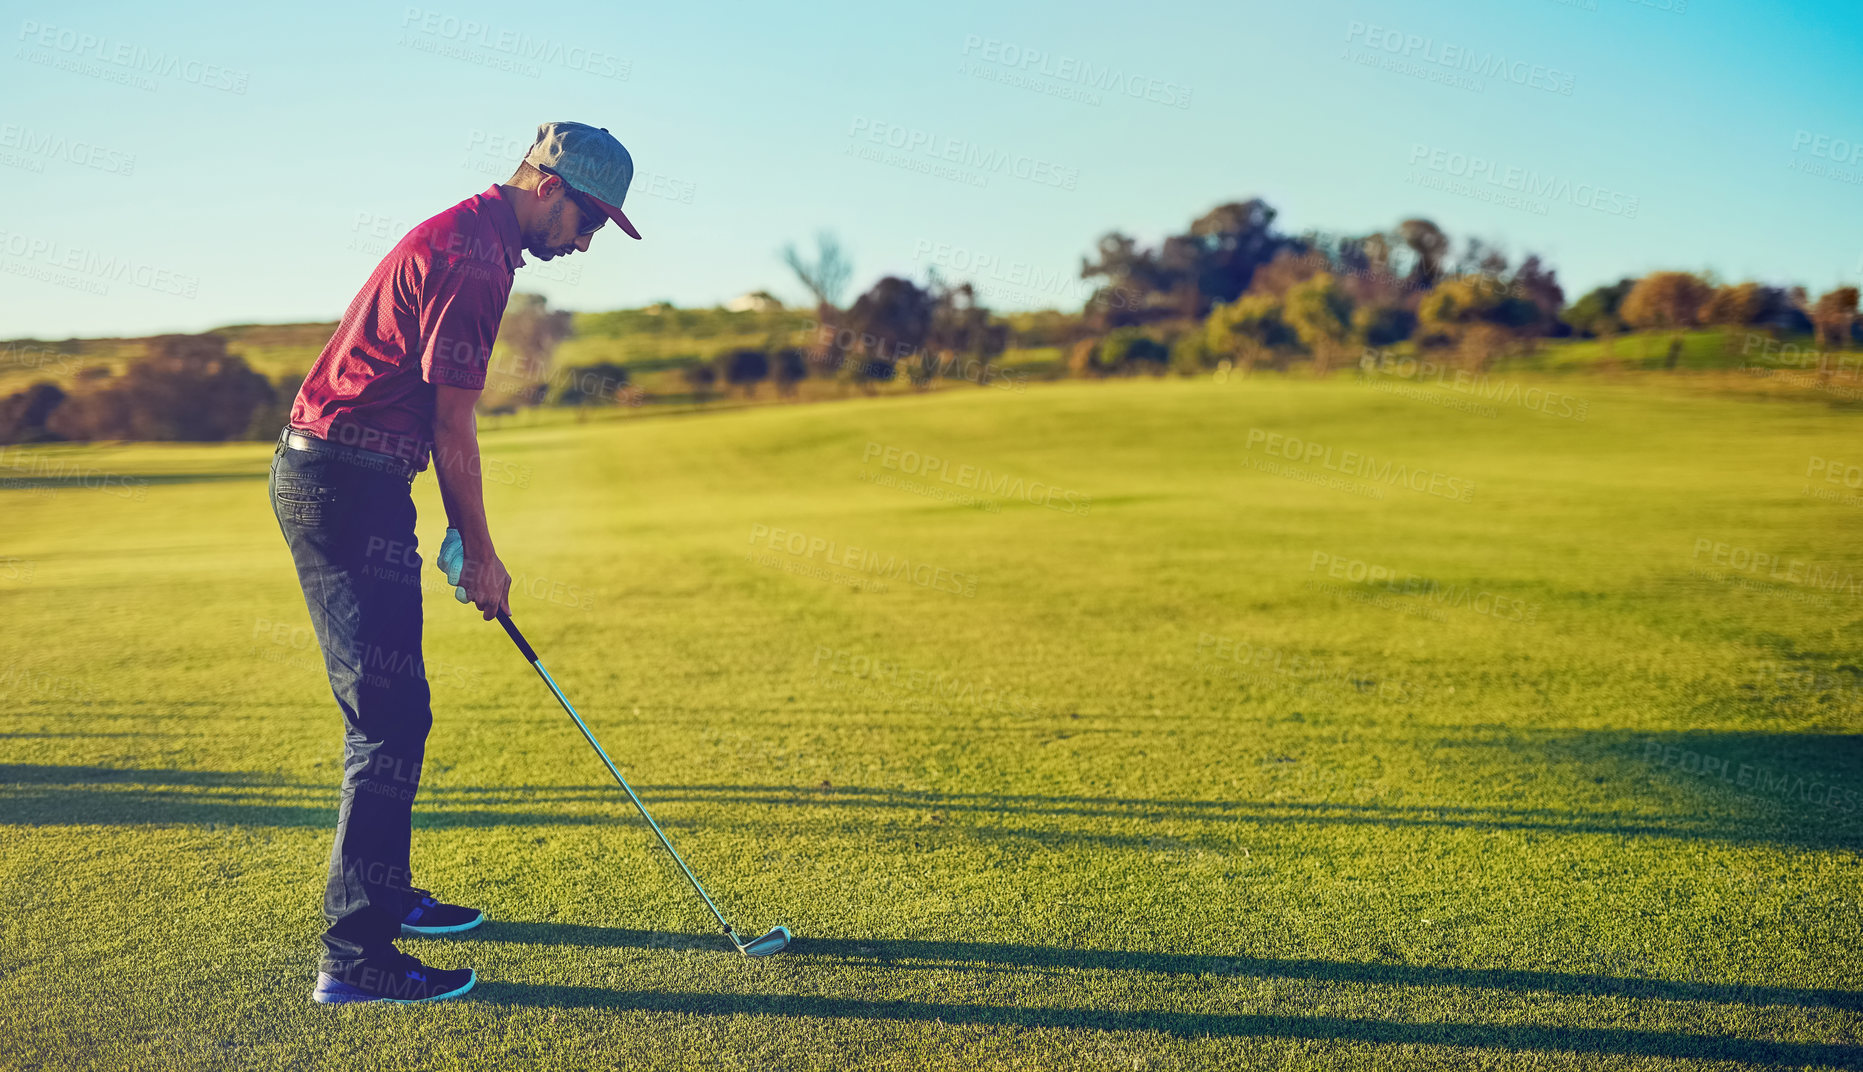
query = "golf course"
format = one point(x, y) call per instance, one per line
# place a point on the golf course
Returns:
point(1140, 723)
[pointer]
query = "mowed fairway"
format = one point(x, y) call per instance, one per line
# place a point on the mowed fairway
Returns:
point(1167, 783)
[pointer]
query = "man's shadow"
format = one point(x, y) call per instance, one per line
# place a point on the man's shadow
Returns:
point(911, 954)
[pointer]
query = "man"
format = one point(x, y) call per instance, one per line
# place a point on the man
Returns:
point(396, 384)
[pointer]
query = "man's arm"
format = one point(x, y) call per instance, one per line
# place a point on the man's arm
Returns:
point(456, 463)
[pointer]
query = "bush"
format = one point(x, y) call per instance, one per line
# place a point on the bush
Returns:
point(1190, 356)
point(1124, 347)
point(789, 366)
point(188, 388)
point(22, 416)
point(744, 368)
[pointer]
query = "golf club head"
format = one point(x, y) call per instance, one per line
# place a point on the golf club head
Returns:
point(775, 941)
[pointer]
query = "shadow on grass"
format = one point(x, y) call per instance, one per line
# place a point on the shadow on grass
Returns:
point(1583, 1040)
point(959, 955)
point(53, 795)
point(1788, 790)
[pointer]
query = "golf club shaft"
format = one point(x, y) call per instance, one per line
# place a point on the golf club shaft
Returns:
point(530, 654)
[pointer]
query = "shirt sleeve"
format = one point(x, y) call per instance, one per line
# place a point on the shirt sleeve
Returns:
point(461, 307)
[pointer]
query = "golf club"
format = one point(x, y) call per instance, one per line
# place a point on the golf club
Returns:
point(777, 938)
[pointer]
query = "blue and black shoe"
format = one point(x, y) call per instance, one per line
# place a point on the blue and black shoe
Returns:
point(402, 981)
point(429, 917)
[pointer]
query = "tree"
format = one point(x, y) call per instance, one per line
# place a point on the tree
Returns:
point(1321, 315)
point(889, 322)
point(826, 277)
point(1596, 313)
point(1382, 325)
point(1784, 310)
point(1735, 305)
point(744, 369)
point(1479, 315)
point(23, 415)
point(1125, 347)
point(1231, 241)
point(1133, 277)
point(1188, 274)
point(1248, 329)
point(1288, 269)
point(1833, 318)
point(187, 388)
point(788, 367)
point(1429, 247)
point(961, 338)
point(1671, 300)
point(527, 340)
point(1190, 354)
point(1539, 286)
point(699, 376)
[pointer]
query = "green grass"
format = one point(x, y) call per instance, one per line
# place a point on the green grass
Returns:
point(1067, 830)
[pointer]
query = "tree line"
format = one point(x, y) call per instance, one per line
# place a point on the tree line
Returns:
point(1232, 290)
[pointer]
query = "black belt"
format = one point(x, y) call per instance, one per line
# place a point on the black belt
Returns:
point(356, 456)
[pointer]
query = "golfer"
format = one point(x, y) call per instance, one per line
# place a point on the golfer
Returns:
point(397, 385)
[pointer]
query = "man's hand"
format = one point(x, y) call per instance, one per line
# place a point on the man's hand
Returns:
point(479, 579)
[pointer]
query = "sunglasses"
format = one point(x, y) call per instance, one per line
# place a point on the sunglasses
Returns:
point(592, 214)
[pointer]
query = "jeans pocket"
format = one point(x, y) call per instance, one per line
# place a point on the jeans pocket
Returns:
point(298, 501)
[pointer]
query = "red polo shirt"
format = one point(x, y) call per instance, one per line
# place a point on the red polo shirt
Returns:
point(427, 316)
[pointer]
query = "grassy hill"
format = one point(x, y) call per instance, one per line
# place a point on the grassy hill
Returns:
point(1517, 740)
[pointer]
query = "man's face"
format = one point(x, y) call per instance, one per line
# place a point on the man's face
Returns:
point(559, 233)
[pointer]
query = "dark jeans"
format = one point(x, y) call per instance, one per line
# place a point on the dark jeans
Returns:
point(351, 534)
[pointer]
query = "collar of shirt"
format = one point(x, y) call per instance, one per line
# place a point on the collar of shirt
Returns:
point(504, 217)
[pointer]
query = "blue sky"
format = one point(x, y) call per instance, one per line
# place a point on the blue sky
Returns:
point(219, 163)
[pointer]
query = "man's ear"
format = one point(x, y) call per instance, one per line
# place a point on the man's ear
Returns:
point(548, 187)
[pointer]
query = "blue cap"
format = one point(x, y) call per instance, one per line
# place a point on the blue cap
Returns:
point(591, 161)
